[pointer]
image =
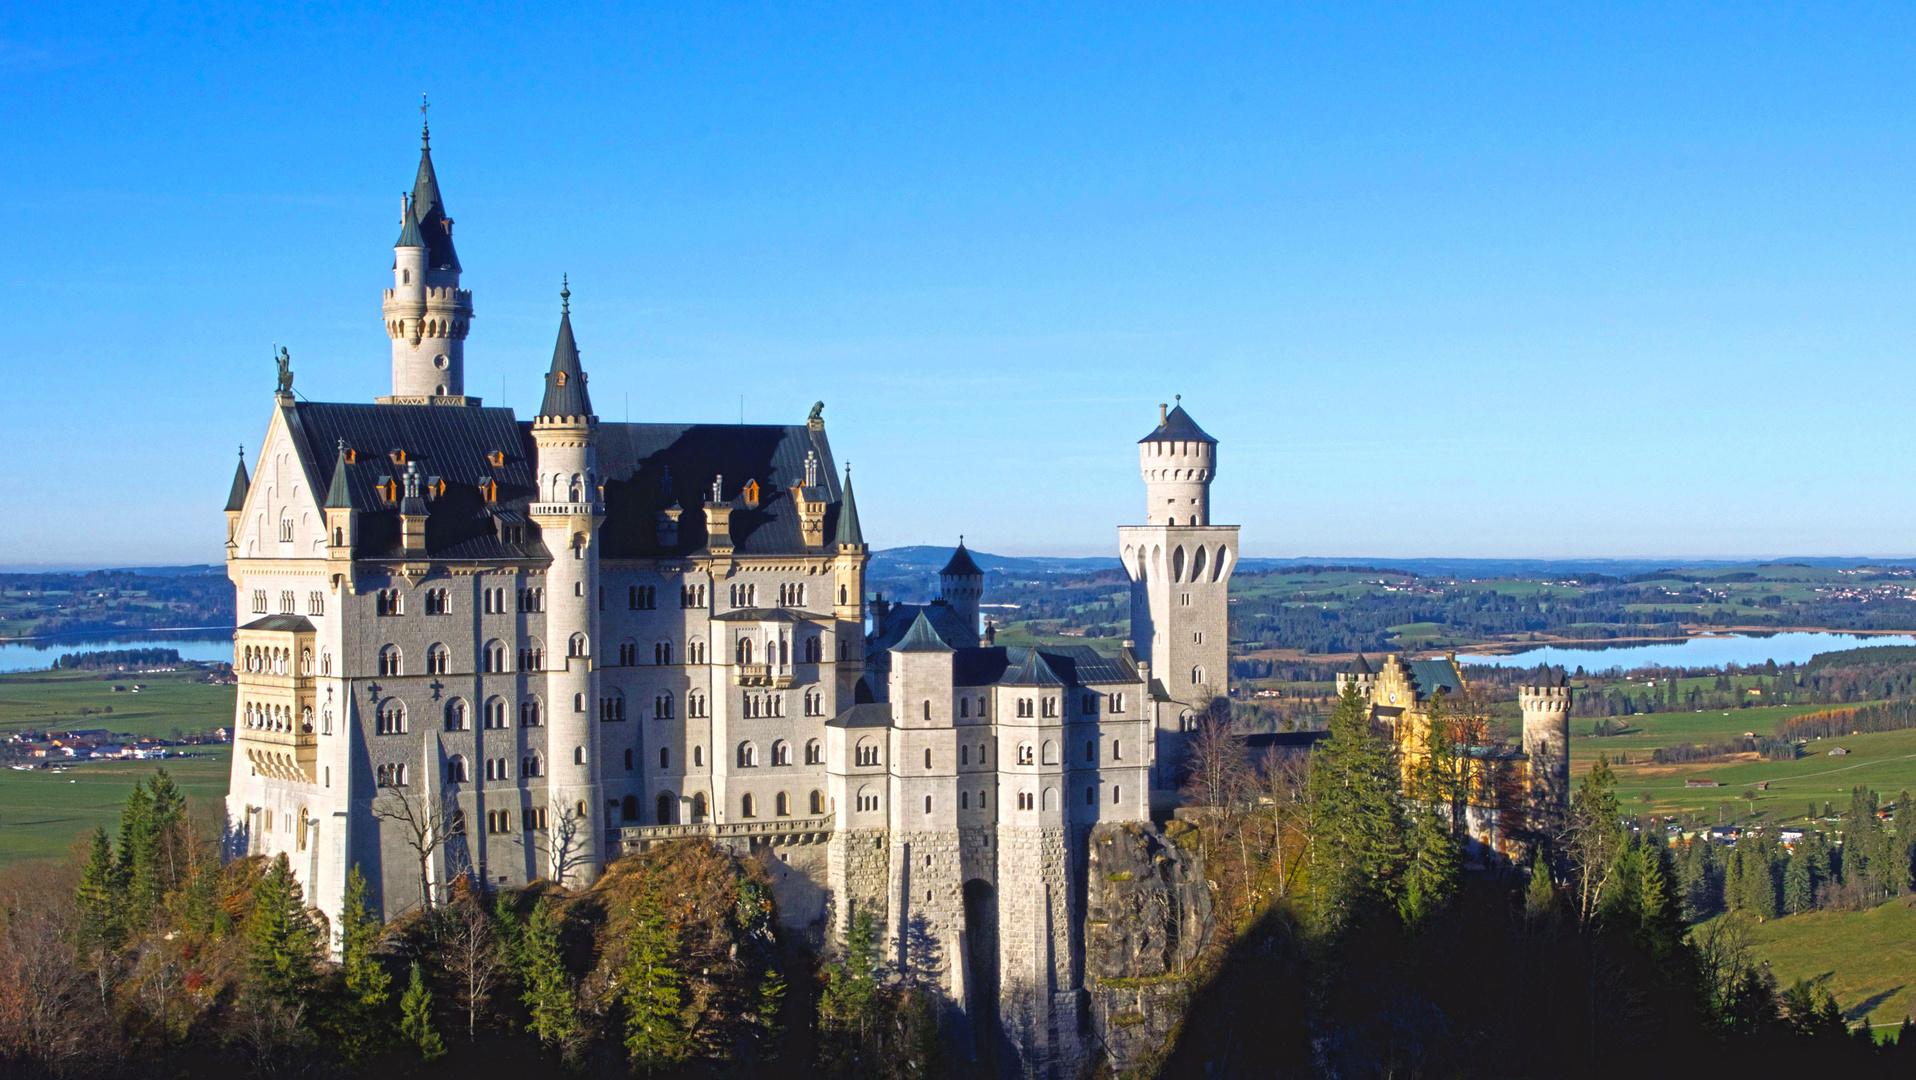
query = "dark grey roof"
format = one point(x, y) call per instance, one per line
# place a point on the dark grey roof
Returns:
point(1433, 675)
point(448, 442)
point(1018, 665)
point(948, 621)
point(430, 211)
point(1361, 667)
point(339, 496)
point(1178, 427)
point(921, 638)
point(409, 229)
point(961, 564)
point(848, 533)
point(236, 499)
point(870, 714)
point(565, 381)
point(649, 467)
point(753, 614)
point(285, 624)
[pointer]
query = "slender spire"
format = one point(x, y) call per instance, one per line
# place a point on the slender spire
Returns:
point(565, 382)
point(339, 495)
point(408, 225)
point(236, 500)
point(849, 534)
point(430, 209)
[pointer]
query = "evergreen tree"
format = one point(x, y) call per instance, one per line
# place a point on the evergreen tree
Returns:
point(1799, 888)
point(415, 1018)
point(548, 993)
point(771, 1001)
point(97, 899)
point(282, 941)
point(651, 988)
point(1357, 832)
point(358, 1024)
point(849, 1011)
point(1759, 875)
point(1540, 898)
point(1596, 836)
point(1431, 878)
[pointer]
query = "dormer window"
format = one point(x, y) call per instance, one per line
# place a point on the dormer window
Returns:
point(561, 378)
point(496, 458)
point(488, 489)
point(388, 489)
point(399, 457)
point(751, 494)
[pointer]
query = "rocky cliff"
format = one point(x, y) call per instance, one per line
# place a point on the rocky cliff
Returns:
point(1147, 916)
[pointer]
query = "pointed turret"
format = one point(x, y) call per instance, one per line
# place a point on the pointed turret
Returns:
point(434, 226)
point(849, 533)
point(236, 499)
point(342, 525)
point(961, 564)
point(565, 382)
point(962, 585)
point(427, 314)
point(408, 227)
point(339, 494)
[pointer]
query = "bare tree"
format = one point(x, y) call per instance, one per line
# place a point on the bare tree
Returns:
point(1282, 777)
point(571, 835)
point(1217, 772)
point(469, 948)
point(426, 823)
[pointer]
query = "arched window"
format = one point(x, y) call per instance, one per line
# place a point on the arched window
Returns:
point(629, 808)
point(391, 719)
point(817, 802)
point(964, 707)
point(576, 646)
point(628, 652)
point(747, 806)
point(495, 712)
point(927, 708)
point(532, 765)
point(438, 660)
point(747, 755)
point(698, 757)
point(781, 752)
point(1027, 754)
point(1050, 798)
point(867, 799)
point(698, 808)
point(964, 800)
point(1197, 675)
point(782, 805)
point(814, 752)
point(814, 651)
point(457, 718)
point(867, 752)
point(578, 755)
point(665, 809)
point(456, 772)
point(744, 650)
point(493, 659)
point(661, 652)
point(530, 713)
point(391, 662)
point(612, 706)
point(662, 706)
point(1050, 752)
point(695, 651)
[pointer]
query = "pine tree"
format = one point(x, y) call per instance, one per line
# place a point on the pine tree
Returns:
point(282, 942)
point(1596, 836)
point(771, 1000)
point(1431, 879)
point(1540, 898)
point(849, 1009)
point(652, 989)
point(1759, 877)
point(1357, 831)
point(1799, 886)
point(548, 986)
point(415, 1018)
point(97, 899)
point(359, 1027)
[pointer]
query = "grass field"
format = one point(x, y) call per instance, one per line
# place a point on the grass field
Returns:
point(1868, 957)
point(42, 812)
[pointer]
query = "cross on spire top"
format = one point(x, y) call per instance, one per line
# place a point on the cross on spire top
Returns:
point(425, 124)
point(565, 294)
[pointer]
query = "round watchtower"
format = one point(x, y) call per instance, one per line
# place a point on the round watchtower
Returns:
point(961, 584)
point(1546, 739)
point(1178, 461)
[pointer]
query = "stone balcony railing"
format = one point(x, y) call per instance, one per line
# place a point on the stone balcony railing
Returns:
point(777, 676)
point(578, 509)
point(772, 831)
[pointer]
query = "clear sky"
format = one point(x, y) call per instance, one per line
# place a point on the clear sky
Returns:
point(1490, 281)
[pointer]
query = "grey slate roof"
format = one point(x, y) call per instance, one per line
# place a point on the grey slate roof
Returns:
point(339, 495)
point(1178, 427)
point(1433, 675)
point(848, 531)
point(447, 442)
point(1361, 667)
point(285, 624)
point(868, 715)
point(784, 615)
point(900, 618)
point(236, 499)
point(921, 638)
point(565, 380)
point(1019, 665)
point(430, 211)
point(409, 230)
point(961, 564)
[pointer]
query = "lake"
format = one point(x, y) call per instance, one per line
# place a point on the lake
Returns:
point(40, 653)
point(1791, 646)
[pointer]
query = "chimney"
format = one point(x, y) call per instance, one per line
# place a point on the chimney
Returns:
point(1164, 414)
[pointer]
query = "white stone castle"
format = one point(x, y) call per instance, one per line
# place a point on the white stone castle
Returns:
point(474, 645)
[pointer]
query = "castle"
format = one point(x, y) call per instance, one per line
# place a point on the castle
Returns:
point(470, 644)
point(1512, 797)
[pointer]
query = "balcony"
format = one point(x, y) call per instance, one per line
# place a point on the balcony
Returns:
point(281, 755)
point(776, 676)
point(775, 832)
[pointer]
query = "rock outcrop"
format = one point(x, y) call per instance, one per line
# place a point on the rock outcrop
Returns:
point(1147, 917)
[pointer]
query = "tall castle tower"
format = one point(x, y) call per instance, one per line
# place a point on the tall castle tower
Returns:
point(1180, 568)
point(1546, 739)
point(427, 313)
point(962, 585)
point(568, 510)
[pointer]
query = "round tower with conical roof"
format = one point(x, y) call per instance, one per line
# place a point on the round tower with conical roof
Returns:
point(568, 511)
point(961, 584)
point(1178, 461)
point(427, 314)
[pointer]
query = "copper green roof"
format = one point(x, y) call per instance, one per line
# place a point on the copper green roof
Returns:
point(339, 496)
point(408, 229)
point(921, 638)
point(848, 531)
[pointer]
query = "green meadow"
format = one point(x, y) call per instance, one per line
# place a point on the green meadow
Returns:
point(1868, 958)
point(43, 811)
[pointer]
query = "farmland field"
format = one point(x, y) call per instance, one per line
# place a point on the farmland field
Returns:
point(1868, 957)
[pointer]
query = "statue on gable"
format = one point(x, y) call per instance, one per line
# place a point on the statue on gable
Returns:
point(818, 412)
point(285, 371)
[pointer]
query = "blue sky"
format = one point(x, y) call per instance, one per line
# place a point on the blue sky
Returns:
point(1459, 281)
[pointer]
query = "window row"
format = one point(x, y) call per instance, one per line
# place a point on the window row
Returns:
point(532, 819)
point(781, 753)
point(289, 602)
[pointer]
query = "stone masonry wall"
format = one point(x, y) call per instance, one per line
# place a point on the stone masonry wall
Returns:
point(859, 863)
point(1147, 916)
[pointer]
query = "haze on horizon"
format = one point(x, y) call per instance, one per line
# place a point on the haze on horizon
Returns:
point(1486, 283)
